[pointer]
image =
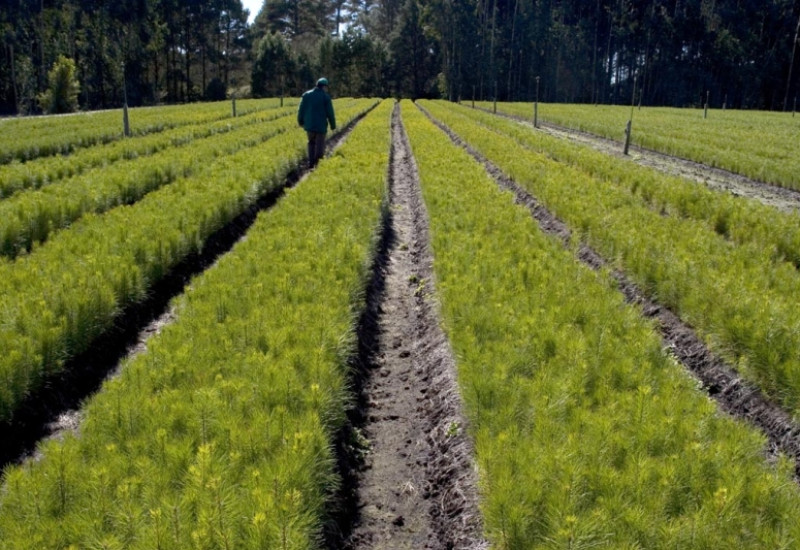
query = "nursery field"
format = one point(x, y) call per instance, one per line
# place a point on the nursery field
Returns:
point(449, 334)
point(24, 139)
point(761, 145)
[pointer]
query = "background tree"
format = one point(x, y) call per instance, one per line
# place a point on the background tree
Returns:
point(62, 93)
point(415, 63)
point(359, 65)
point(274, 66)
point(738, 51)
point(172, 49)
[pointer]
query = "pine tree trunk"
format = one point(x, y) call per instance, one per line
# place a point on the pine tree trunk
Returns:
point(174, 74)
point(594, 53)
point(203, 60)
point(609, 58)
point(219, 45)
point(492, 67)
point(188, 59)
point(791, 65)
point(227, 52)
point(511, 49)
point(13, 77)
point(40, 84)
point(156, 78)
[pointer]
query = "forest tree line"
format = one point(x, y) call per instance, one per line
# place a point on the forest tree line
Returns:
point(741, 53)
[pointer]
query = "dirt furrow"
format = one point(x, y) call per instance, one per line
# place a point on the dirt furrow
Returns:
point(715, 178)
point(55, 408)
point(733, 394)
point(415, 485)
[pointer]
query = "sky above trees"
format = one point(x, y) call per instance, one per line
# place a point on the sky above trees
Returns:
point(253, 6)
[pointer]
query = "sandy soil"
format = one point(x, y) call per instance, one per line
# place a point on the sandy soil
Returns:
point(416, 486)
point(733, 395)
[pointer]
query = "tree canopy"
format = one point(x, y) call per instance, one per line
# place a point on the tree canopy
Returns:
point(743, 53)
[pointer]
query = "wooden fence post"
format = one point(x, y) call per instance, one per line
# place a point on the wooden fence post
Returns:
point(126, 126)
point(629, 126)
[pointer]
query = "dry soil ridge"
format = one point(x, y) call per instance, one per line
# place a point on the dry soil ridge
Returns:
point(416, 487)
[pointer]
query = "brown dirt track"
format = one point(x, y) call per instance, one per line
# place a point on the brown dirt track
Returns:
point(415, 487)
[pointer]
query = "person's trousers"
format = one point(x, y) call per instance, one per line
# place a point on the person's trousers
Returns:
point(316, 147)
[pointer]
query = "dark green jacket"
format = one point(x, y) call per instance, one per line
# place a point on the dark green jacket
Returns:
point(316, 110)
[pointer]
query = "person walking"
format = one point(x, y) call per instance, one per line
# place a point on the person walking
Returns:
point(314, 114)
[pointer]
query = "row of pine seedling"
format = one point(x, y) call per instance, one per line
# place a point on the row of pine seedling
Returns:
point(26, 138)
point(728, 271)
point(30, 218)
point(42, 171)
point(218, 435)
point(587, 432)
point(758, 144)
point(742, 221)
point(60, 297)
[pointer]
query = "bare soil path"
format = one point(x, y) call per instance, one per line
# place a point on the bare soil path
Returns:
point(715, 178)
point(416, 485)
point(733, 394)
point(56, 407)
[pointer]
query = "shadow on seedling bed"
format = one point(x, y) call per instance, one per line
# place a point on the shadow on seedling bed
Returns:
point(41, 414)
